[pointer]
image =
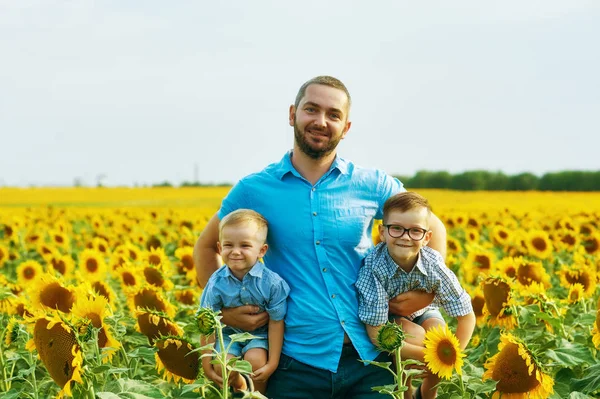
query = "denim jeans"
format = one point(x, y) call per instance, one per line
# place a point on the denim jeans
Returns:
point(294, 379)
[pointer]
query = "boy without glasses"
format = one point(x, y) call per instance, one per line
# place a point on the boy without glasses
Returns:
point(244, 280)
point(402, 262)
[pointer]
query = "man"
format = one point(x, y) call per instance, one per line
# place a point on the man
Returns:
point(320, 209)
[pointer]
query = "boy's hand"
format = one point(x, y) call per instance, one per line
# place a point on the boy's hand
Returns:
point(409, 302)
point(263, 373)
point(245, 317)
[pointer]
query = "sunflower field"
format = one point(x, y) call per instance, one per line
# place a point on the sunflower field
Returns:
point(98, 292)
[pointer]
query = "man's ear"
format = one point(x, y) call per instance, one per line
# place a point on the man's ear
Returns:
point(346, 128)
point(219, 248)
point(292, 116)
point(263, 250)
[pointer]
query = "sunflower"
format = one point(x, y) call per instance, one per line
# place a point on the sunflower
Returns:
point(3, 254)
point(539, 244)
point(94, 310)
point(497, 293)
point(579, 274)
point(186, 260)
point(390, 337)
point(508, 267)
point(32, 238)
point(59, 239)
point(157, 277)
point(101, 245)
point(92, 265)
point(149, 298)
point(155, 324)
point(472, 236)
point(103, 289)
point(478, 302)
point(156, 257)
point(28, 272)
point(187, 297)
point(12, 332)
point(596, 331)
point(587, 229)
point(442, 352)
point(479, 262)
point(566, 240)
point(591, 243)
point(529, 272)
point(517, 371)
point(500, 235)
point(453, 246)
point(175, 360)
point(129, 275)
point(62, 264)
point(576, 294)
point(59, 350)
point(48, 292)
point(375, 237)
point(46, 250)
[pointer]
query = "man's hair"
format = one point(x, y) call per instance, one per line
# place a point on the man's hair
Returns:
point(325, 81)
point(404, 202)
point(245, 216)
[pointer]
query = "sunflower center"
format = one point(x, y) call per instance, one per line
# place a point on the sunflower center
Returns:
point(511, 271)
point(97, 323)
point(132, 254)
point(59, 239)
point(59, 265)
point(154, 260)
point(154, 277)
point(568, 239)
point(503, 234)
point(29, 273)
point(496, 294)
point(176, 361)
point(477, 303)
point(528, 273)
point(187, 262)
point(100, 289)
point(54, 347)
point(539, 244)
point(511, 371)
point(446, 352)
point(187, 298)
point(56, 296)
point(153, 329)
point(152, 243)
point(128, 278)
point(581, 278)
point(91, 265)
point(149, 299)
point(483, 261)
point(591, 246)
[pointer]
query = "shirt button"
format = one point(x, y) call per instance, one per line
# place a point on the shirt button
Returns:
point(314, 213)
point(343, 322)
point(333, 296)
point(243, 288)
point(313, 189)
point(318, 242)
point(324, 270)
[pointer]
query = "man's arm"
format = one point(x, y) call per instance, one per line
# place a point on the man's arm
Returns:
point(206, 256)
point(275, 344)
point(438, 238)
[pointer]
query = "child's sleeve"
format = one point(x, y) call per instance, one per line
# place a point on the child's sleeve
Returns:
point(373, 304)
point(277, 304)
point(450, 294)
point(210, 297)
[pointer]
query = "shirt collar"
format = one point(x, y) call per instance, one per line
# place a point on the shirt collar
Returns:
point(285, 166)
point(393, 268)
point(256, 271)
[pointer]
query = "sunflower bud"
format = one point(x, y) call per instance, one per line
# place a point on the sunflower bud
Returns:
point(390, 337)
point(206, 321)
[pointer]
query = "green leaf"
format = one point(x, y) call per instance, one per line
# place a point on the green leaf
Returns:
point(570, 355)
point(143, 352)
point(589, 384)
point(578, 395)
point(385, 389)
point(562, 382)
point(107, 395)
point(241, 366)
point(242, 337)
point(12, 394)
point(383, 365)
point(101, 369)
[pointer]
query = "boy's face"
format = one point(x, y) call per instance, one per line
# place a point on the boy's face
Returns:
point(405, 249)
point(240, 247)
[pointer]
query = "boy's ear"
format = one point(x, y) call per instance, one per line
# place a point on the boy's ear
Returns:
point(427, 237)
point(263, 250)
point(219, 248)
point(381, 233)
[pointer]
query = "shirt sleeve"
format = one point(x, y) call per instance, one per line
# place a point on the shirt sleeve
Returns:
point(277, 306)
point(237, 198)
point(373, 304)
point(210, 297)
point(386, 187)
point(450, 294)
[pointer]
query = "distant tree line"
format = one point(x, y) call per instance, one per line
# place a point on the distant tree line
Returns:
point(191, 184)
point(498, 181)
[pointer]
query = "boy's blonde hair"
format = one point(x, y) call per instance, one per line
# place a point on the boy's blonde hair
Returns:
point(245, 216)
point(405, 202)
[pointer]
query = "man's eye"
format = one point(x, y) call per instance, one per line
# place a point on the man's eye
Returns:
point(334, 116)
point(310, 109)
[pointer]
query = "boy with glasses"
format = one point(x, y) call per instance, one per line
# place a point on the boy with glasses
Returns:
point(403, 262)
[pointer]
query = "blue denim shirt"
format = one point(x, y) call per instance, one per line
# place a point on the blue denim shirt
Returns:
point(318, 236)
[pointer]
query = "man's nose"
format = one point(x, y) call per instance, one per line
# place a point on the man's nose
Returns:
point(320, 119)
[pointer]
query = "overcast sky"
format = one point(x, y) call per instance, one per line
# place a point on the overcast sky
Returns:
point(146, 91)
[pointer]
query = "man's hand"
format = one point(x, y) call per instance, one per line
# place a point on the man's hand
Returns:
point(263, 373)
point(409, 302)
point(244, 317)
point(210, 372)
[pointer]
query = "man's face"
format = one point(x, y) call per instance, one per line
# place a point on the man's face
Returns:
point(320, 121)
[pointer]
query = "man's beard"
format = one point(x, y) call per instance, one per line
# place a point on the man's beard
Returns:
point(313, 153)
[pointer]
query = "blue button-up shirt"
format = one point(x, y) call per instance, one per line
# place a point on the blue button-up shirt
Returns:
point(318, 236)
point(260, 286)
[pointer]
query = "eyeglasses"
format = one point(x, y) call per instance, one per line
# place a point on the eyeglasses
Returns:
point(397, 231)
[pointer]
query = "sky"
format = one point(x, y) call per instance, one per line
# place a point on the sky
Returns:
point(136, 93)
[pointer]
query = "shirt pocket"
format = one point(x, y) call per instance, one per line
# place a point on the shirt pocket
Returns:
point(352, 225)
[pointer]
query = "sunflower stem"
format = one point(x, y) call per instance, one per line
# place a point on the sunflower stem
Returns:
point(5, 383)
point(399, 369)
point(223, 360)
point(33, 378)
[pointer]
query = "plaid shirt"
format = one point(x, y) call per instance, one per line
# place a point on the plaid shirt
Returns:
point(381, 279)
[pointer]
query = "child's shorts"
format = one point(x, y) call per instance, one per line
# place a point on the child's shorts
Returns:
point(430, 313)
point(239, 349)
